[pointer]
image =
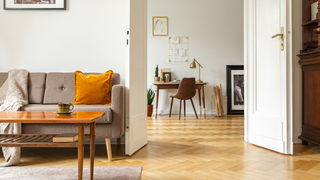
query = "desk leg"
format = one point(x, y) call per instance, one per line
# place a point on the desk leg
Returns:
point(199, 100)
point(184, 105)
point(157, 101)
point(80, 150)
point(92, 148)
point(204, 103)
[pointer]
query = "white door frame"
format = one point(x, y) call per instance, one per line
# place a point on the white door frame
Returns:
point(249, 25)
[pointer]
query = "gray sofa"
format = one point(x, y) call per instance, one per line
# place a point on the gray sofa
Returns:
point(46, 90)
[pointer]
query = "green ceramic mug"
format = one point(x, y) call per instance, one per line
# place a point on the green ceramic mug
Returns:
point(65, 107)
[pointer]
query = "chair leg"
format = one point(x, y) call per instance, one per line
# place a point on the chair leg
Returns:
point(118, 141)
point(171, 107)
point(194, 108)
point(108, 145)
point(184, 102)
point(180, 109)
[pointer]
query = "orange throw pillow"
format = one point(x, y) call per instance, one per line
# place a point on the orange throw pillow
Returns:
point(92, 88)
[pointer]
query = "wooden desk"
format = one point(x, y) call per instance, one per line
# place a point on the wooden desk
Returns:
point(199, 86)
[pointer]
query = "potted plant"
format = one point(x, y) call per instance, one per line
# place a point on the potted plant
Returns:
point(150, 97)
point(156, 74)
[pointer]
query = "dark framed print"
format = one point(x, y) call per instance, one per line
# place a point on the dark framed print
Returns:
point(166, 75)
point(235, 89)
point(34, 4)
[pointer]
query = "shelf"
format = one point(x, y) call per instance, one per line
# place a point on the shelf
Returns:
point(32, 140)
point(311, 23)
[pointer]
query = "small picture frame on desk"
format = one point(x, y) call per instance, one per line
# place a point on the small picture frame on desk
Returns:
point(166, 77)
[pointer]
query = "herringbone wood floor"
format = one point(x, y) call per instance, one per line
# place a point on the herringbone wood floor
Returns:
point(211, 148)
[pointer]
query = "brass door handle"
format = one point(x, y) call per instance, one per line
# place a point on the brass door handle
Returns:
point(277, 35)
point(282, 38)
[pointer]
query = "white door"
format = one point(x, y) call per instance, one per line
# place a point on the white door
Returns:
point(136, 77)
point(268, 111)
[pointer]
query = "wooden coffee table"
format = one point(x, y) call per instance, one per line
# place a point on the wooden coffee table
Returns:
point(45, 140)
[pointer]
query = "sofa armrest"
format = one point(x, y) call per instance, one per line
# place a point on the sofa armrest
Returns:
point(118, 108)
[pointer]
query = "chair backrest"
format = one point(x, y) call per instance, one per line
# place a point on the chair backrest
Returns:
point(187, 89)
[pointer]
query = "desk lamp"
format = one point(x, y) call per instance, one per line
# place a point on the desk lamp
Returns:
point(193, 65)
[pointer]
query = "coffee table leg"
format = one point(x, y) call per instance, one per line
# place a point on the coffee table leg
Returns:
point(80, 150)
point(92, 148)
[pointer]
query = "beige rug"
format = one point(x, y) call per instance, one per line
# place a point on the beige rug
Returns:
point(69, 173)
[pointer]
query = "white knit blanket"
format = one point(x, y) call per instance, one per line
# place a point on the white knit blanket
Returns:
point(13, 95)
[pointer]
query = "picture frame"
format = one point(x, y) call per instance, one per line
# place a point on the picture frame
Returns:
point(166, 75)
point(160, 26)
point(34, 4)
point(161, 73)
point(235, 89)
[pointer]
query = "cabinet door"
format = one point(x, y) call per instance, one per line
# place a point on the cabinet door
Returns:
point(311, 89)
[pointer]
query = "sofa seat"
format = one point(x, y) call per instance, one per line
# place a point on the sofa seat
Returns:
point(107, 118)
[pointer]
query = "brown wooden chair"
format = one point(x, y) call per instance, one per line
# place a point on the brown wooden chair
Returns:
point(186, 90)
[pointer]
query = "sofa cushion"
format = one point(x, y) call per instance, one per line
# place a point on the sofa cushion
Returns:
point(59, 88)
point(107, 118)
point(93, 88)
point(115, 78)
point(36, 87)
point(3, 77)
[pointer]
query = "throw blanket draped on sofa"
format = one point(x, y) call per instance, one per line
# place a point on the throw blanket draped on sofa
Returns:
point(13, 95)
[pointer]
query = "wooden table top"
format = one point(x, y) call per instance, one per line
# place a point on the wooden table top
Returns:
point(78, 117)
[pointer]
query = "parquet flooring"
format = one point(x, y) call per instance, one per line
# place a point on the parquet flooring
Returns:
point(211, 148)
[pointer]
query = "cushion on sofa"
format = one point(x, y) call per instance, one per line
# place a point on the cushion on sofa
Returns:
point(59, 88)
point(36, 87)
point(107, 118)
point(93, 88)
point(3, 77)
point(115, 78)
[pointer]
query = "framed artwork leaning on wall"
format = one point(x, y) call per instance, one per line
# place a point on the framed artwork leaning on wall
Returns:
point(235, 89)
point(34, 4)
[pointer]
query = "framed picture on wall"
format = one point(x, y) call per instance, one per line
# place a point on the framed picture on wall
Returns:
point(160, 26)
point(34, 4)
point(235, 89)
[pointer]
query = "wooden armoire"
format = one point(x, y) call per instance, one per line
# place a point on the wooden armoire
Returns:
point(310, 65)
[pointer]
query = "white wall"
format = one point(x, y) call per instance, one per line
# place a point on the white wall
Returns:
point(215, 31)
point(297, 72)
point(88, 36)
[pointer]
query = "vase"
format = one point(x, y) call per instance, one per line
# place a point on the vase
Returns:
point(156, 79)
point(150, 110)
